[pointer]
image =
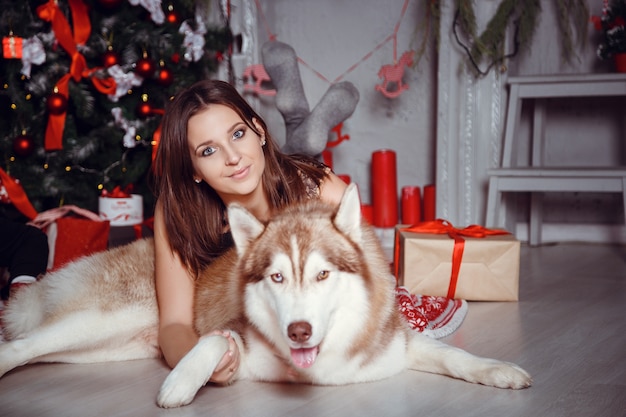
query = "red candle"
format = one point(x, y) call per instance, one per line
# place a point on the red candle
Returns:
point(345, 178)
point(327, 158)
point(411, 210)
point(384, 188)
point(430, 212)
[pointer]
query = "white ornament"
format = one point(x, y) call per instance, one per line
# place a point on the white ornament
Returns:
point(130, 128)
point(123, 81)
point(32, 53)
point(152, 6)
point(194, 40)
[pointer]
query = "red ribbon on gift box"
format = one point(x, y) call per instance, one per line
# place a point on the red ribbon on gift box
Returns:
point(118, 192)
point(442, 227)
point(137, 227)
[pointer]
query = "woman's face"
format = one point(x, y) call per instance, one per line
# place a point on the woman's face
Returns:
point(226, 153)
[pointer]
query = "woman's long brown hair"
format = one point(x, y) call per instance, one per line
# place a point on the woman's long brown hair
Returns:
point(194, 214)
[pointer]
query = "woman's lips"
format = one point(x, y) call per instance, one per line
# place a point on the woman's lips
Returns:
point(242, 173)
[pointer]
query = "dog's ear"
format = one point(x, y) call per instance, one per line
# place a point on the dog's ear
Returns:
point(244, 227)
point(348, 217)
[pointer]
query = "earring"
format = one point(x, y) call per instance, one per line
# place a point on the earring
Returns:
point(264, 142)
point(197, 180)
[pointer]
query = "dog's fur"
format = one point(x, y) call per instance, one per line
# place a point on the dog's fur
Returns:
point(308, 298)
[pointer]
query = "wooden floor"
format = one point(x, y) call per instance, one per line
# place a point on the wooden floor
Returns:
point(568, 331)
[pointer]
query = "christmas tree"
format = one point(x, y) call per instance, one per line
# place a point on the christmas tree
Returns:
point(83, 88)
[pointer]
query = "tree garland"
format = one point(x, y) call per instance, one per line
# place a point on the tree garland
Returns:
point(523, 16)
point(572, 14)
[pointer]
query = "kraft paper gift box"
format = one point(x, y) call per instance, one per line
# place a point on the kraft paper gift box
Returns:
point(488, 269)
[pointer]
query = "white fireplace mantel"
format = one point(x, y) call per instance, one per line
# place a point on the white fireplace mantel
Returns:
point(469, 127)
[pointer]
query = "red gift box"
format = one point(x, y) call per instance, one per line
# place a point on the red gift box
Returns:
point(71, 237)
point(12, 47)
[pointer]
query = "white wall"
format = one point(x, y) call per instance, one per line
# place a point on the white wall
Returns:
point(332, 35)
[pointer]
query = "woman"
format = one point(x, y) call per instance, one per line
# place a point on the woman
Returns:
point(24, 251)
point(216, 150)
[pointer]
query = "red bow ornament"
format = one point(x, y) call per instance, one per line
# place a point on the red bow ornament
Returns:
point(69, 40)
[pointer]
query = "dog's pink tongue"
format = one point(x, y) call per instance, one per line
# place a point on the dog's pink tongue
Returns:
point(305, 357)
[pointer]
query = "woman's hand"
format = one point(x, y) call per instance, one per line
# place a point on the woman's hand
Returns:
point(229, 364)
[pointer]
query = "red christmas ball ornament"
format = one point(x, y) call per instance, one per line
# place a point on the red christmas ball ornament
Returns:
point(145, 67)
point(144, 109)
point(23, 145)
point(165, 77)
point(172, 17)
point(56, 103)
point(110, 58)
point(175, 58)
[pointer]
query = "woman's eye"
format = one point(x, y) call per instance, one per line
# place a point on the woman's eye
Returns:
point(208, 151)
point(238, 134)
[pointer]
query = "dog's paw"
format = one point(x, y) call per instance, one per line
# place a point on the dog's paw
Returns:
point(192, 372)
point(504, 375)
point(9, 358)
point(176, 391)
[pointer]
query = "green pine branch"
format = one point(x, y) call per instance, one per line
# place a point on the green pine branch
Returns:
point(93, 152)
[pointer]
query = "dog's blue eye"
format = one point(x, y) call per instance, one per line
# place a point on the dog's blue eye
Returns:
point(277, 277)
point(323, 275)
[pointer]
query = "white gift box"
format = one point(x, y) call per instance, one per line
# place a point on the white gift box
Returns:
point(121, 211)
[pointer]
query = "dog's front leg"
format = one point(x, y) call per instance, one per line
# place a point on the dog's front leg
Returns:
point(429, 355)
point(192, 372)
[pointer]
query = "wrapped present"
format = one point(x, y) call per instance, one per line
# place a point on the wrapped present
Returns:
point(12, 47)
point(121, 208)
point(473, 263)
point(72, 232)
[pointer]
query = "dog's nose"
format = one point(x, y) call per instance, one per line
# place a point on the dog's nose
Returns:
point(299, 331)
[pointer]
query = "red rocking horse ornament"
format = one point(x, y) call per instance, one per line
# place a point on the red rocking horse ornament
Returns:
point(392, 75)
point(340, 137)
point(258, 74)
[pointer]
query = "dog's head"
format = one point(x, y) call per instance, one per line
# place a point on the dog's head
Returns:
point(305, 277)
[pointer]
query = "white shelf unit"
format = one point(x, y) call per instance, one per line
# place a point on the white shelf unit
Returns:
point(537, 178)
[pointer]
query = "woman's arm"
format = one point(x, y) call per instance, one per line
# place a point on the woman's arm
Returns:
point(175, 292)
point(175, 296)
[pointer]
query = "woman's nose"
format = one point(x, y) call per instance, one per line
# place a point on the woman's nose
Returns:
point(232, 155)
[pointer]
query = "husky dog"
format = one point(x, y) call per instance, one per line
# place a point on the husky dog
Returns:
point(308, 298)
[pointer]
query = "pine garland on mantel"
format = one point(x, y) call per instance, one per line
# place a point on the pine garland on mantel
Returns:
point(522, 16)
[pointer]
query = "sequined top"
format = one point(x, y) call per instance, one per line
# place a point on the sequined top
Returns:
point(312, 188)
